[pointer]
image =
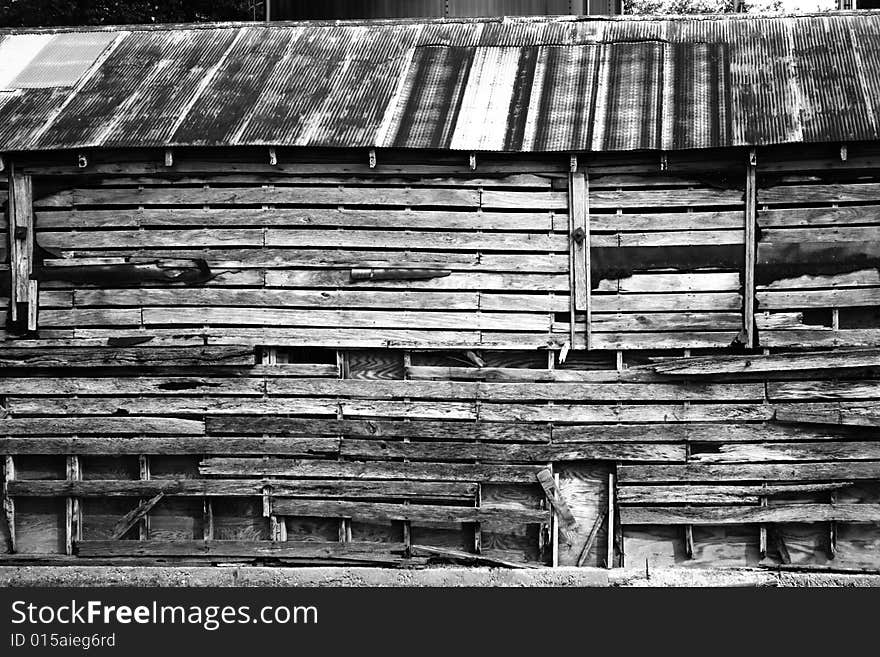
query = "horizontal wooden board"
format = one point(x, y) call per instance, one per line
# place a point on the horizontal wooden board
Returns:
point(378, 511)
point(274, 195)
point(634, 222)
point(311, 217)
point(828, 193)
point(776, 472)
point(127, 357)
point(36, 426)
point(804, 217)
point(331, 488)
point(677, 282)
point(241, 467)
point(335, 278)
point(510, 453)
point(666, 302)
point(367, 552)
point(782, 452)
point(838, 297)
point(823, 389)
point(167, 445)
point(378, 428)
point(759, 363)
point(734, 515)
point(716, 494)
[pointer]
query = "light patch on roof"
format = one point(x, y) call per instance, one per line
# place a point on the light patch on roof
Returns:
point(16, 52)
point(64, 60)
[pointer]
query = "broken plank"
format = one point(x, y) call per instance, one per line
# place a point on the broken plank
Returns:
point(375, 511)
point(127, 357)
point(760, 363)
point(770, 472)
point(132, 517)
point(241, 467)
point(735, 515)
point(465, 557)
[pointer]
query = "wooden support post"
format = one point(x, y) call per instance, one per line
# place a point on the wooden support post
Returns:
point(169, 157)
point(144, 475)
point(751, 229)
point(579, 247)
point(207, 519)
point(9, 503)
point(72, 511)
point(23, 293)
point(832, 530)
point(130, 519)
point(554, 531)
point(609, 557)
point(407, 526)
point(762, 530)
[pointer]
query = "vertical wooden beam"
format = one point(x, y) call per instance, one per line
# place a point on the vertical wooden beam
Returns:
point(23, 293)
point(342, 369)
point(9, 503)
point(144, 475)
point(554, 527)
point(72, 512)
point(751, 235)
point(407, 526)
point(579, 239)
point(609, 556)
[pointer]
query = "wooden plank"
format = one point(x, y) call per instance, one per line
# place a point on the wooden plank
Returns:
point(229, 548)
point(465, 557)
point(512, 453)
point(23, 288)
point(327, 488)
point(97, 425)
point(522, 374)
point(828, 193)
point(735, 515)
point(658, 238)
point(516, 391)
point(678, 302)
point(539, 222)
point(709, 432)
point(650, 341)
point(829, 298)
point(373, 511)
point(378, 428)
point(829, 389)
point(661, 198)
point(457, 280)
point(673, 282)
point(802, 217)
point(684, 321)
point(579, 240)
point(866, 414)
point(644, 222)
point(134, 516)
point(9, 503)
point(753, 363)
point(625, 412)
point(830, 235)
point(782, 452)
point(770, 472)
point(126, 357)
point(168, 445)
point(141, 385)
point(715, 493)
point(859, 278)
point(751, 238)
point(274, 195)
point(554, 496)
point(333, 318)
point(372, 470)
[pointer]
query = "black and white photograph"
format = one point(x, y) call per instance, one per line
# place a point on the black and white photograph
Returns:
point(432, 294)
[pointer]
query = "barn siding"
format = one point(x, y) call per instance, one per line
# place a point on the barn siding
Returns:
point(277, 410)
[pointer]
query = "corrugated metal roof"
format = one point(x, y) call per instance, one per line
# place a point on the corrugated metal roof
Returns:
point(529, 84)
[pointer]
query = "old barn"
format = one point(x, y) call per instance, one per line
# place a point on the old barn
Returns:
point(523, 291)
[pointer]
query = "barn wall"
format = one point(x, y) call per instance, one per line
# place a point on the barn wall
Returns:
point(211, 380)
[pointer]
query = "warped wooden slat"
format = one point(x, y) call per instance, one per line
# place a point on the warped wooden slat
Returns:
point(676, 282)
point(127, 357)
point(305, 217)
point(828, 193)
point(771, 472)
point(823, 389)
point(97, 425)
point(734, 515)
point(333, 488)
point(335, 278)
point(708, 432)
point(240, 467)
point(865, 414)
point(221, 548)
point(510, 453)
point(522, 374)
point(782, 452)
point(266, 196)
point(378, 428)
point(333, 318)
point(716, 493)
point(169, 445)
point(376, 511)
point(754, 363)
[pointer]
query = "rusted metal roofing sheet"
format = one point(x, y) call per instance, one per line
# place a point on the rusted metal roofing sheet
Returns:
point(521, 85)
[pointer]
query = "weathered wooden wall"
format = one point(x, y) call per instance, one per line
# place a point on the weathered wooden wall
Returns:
point(208, 382)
